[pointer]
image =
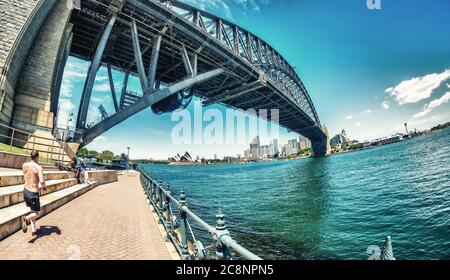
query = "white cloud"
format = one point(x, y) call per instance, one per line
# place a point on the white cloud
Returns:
point(65, 108)
point(103, 143)
point(385, 105)
point(432, 105)
point(417, 89)
point(105, 87)
point(360, 114)
point(229, 8)
point(358, 124)
point(389, 90)
point(448, 85)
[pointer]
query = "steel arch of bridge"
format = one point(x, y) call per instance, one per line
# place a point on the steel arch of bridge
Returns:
point(181, 46)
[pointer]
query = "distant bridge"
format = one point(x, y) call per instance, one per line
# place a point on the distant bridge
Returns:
point(176, 51)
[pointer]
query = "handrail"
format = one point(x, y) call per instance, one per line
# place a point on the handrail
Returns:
point(31, 139)
point(161, 200)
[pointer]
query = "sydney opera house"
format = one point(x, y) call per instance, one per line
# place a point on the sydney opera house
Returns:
point(184, 158)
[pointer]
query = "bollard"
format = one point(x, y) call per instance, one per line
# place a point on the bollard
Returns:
point(184, 234)
point(168, 215)
point(222, 252)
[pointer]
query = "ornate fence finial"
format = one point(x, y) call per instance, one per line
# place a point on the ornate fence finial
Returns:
point(387, 254)
point(182, 198)
point(220, 219)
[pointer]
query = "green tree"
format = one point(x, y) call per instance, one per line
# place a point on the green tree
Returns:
point(93, 154)
point(123, 156)
point(106, 155)
point(83, 152)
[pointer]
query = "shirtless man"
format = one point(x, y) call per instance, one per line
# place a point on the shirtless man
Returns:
point(34, 180)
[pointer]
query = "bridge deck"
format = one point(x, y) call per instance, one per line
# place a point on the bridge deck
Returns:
point(112, 221)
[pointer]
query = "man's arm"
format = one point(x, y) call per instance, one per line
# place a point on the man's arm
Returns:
point(41, 178)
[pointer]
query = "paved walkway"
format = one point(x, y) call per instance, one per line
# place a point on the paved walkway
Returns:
point(112, 221)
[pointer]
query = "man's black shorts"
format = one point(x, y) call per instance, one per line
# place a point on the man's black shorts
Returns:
point(32, 200)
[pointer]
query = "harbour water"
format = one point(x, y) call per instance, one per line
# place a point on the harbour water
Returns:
point(330, 208)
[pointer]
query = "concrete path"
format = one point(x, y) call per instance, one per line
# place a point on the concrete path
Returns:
point(112, 221)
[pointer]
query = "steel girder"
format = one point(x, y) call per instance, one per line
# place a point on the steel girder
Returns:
point(145, 102)
point(202, 41)
point(246, 46)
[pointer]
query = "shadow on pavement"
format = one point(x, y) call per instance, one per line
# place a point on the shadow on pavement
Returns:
point(45, 231)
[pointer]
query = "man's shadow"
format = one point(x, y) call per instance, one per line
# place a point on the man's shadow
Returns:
point(45, 231)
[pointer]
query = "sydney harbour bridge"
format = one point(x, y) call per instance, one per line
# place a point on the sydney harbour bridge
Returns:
point(175, 50)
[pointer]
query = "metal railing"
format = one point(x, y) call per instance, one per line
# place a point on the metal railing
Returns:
point(178, 228)
point(30, 143)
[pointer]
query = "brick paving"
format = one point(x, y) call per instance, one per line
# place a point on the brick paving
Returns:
point(112, 221)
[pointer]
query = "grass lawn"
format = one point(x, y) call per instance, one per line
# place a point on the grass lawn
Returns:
point(20, 151)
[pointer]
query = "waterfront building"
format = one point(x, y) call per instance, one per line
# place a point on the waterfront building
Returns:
point(294, 144)
point(337, 140)
point(287, 150)
point(255, 149)
point(247, 154)
point(231, 160)
point(275, 147)
point(340, 139)
point(304, 143)
point(266, 151)
point(184, 158)
point(344, 136)
point(388, 140)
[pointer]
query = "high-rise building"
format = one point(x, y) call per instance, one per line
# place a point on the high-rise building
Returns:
point(255, 149)
point(247, 154)
point(293, 144)
point(275, 147)
point(266, 151)
point(344, 136)
point(339, 139)
point(304, 143)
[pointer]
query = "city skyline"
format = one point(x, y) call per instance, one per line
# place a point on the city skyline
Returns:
point(391, 76)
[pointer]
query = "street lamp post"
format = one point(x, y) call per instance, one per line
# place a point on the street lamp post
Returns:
point(65, 133)
point(128, 159)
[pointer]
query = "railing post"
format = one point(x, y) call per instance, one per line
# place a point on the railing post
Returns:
point(53, 144)
point(149, 189)
point(160, 198)
point(153, 192)
point(222, 252)
point(168, 214)
point(145, 183)
point(12, 139)
point(154, 187)
point(184, 232)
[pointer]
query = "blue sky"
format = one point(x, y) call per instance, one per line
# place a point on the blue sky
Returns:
point(367, 71)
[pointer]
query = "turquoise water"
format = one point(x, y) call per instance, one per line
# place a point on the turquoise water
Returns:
point(334, 207)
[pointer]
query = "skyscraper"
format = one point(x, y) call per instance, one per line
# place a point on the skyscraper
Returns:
point(293, 144)
point(304, 143)
point(255, 149)
point(275, 147)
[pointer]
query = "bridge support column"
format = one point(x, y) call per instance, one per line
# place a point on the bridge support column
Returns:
point(321, 147)
point(20, 24)
point(36, 86)
point(33, 50)
point(320, 141)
